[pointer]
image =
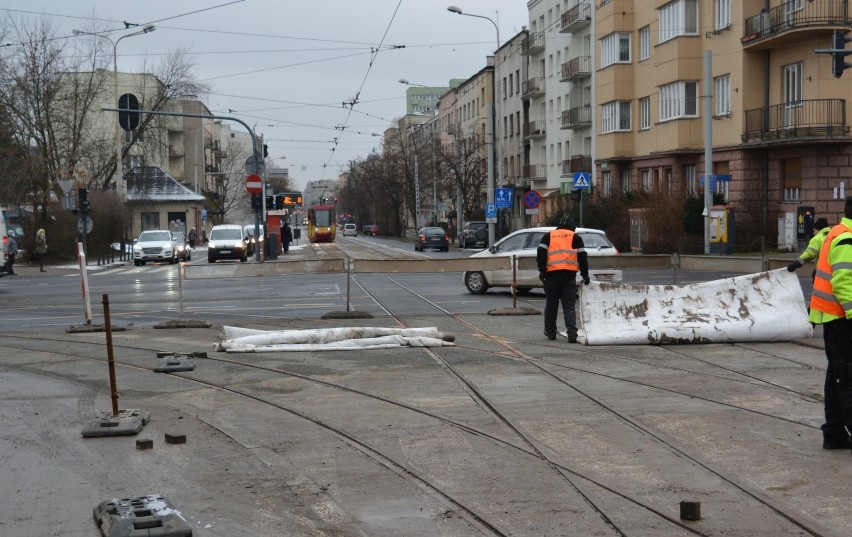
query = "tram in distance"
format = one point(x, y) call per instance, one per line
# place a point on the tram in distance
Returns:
point(322, 223)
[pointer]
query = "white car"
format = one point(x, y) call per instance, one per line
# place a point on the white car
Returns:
point(350, 230)
point(524, 243)
point(155, 245)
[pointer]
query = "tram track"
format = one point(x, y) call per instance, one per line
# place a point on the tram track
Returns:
point(529, 445)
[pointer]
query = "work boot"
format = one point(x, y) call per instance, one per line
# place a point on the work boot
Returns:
point(842, 443)
point(549, 334)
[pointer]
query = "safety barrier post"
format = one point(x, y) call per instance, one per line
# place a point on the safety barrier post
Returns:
point(84, 276)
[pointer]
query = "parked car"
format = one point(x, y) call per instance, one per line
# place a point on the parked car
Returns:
point(154, 245)
point(227, 242)
point(431, 237)
point(473, 233)
point(248, 231)
point(524, 243)
point(184, 252)
point(350, 230)
point(372, 229)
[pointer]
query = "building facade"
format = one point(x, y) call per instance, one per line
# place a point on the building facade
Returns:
point(780, 123)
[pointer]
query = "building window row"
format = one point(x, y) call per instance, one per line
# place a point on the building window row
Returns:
point(615, 48)
point(615, 117)
point(679, 100)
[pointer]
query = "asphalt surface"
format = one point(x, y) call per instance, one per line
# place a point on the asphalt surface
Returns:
point(506, 433)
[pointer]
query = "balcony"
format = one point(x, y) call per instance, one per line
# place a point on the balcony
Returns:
point(533, 43)
point(535, 172)
point(579, 163)
point(579, 67)
point(578, 117)
point(776, 26)
point(800, 120)
point(532, 87)
point(534, 129)
point(576, 17)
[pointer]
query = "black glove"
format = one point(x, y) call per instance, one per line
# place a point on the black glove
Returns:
point(793, 266)
point(586, 280)
point(541, 276)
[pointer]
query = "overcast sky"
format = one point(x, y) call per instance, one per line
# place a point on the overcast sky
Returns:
point(287, 66)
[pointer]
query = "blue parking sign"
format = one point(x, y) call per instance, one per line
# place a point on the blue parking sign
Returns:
point(490, 210)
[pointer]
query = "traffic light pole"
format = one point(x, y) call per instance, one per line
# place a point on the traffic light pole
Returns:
point(254, 149)
point(838, 53)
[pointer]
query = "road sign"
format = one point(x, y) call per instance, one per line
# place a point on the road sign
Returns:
point(504, 198)
point(255, 164)
point(581, 180)
point(491, 213)
point(254, 184)
point(532, 199)
point(89, 225)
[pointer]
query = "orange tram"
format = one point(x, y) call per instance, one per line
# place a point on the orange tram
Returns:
point(322, 223)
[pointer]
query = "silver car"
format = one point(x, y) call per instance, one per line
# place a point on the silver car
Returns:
point(524, 243)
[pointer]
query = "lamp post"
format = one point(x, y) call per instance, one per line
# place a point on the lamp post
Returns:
point(499, 108)
point(120, 187)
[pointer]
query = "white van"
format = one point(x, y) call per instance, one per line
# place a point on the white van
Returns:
point(350, 229)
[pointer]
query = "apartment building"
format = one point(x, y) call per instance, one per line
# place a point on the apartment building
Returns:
point(510, 68)
point(558, 97)
point(780, 124)
point(420, 99)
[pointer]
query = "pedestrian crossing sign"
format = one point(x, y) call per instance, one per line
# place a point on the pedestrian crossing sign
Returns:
point(581, 180)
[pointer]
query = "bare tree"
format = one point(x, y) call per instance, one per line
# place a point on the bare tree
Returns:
point(463, 168)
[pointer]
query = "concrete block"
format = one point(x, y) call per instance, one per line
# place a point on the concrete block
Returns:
point(175, 438)
point(145, 443)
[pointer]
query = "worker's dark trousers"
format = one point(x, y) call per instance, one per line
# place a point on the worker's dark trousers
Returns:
point(560, 286)
point(838, 379)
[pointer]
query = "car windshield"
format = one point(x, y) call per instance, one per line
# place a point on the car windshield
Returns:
point(249, 230)
point(226, 234)
point(434, 232)
point(155, 236)
point(180, 237)
point(595, 241)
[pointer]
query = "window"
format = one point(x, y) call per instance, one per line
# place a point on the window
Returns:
point(615, 48)
point(607, 183)
point(644, 113)
point(646, 180)
point(722, 95)
point(625, 181)
point(691, 184)
point(678, 100)
point(722, 187)
point(615, 117)
point(678, 18)
point(511, 85)
point(150, 221)
point(792, 179)
point(722, 14)
point(644, 43)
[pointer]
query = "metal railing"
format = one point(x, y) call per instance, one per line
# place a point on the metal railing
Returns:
point(577, 116)
point(578, 67)
point(532, 86)
point(534, 128)
point(795, 14)
point(533, 42)
point(535, 171)
point(580, 163)
point(576, 16)
point(816, 118)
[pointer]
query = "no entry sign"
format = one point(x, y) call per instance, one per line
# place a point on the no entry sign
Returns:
point(254, 185)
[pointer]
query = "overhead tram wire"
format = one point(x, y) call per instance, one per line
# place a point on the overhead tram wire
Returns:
point(363, 81)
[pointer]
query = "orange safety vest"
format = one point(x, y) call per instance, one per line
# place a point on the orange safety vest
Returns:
point(561, 254)
point(822, 296)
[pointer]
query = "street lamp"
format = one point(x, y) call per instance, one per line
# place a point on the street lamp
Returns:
point(499, 139)
point(120, 187)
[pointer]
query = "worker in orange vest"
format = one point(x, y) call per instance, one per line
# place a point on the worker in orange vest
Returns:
point(560, 256)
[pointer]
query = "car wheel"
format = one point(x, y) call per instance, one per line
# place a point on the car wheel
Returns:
point(244, 258)
point(137, 263)
point(211, 259)
point(142, 263)
point(189, 257)
point(173, 260)
point(524, 290)
point(475, 282)
point(445, 249)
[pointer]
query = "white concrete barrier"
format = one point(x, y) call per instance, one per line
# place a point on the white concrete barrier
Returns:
point(766, 306)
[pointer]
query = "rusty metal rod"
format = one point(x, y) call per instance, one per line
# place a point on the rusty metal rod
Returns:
point(113, 390)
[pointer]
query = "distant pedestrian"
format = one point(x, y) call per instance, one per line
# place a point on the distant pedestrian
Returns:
point(193, 235)
point(41, 248)
point(11, 252)
point(811, 253)
point(831, 306)
point(286, 237)
point(560, 256)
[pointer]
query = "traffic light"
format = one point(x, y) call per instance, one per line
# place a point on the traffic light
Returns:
point(270, 203)
point(839, 53)
point(576, 195)
point(279, 201)
point(255, 202)
point(265, 151)
point(83, 198)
